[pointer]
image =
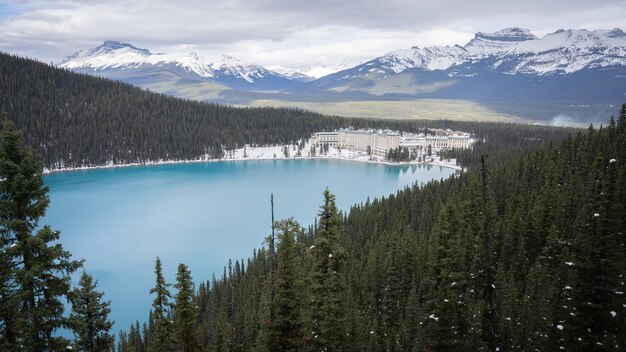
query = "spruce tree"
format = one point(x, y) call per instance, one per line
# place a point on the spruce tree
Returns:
point(185, 312)
point(40, 269)
point(162, 340)
point(327, 314)
point(89, 318)
point(286, 327)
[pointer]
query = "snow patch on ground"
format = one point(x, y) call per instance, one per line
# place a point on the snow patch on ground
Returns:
point(275, 153)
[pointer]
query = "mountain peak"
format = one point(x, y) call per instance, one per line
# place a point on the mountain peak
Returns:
point(616, 33)
point(486, 43)
point(113, 45)
point(109, 53)
point(230, 60)
point(513, 34)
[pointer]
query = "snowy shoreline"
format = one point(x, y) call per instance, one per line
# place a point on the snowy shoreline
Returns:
point(266, 153)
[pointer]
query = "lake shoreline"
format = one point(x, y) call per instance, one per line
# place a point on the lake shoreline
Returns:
point(196, 161)
point(265, 153)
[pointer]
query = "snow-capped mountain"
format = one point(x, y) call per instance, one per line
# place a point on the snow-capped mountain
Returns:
point(566, 66)
point(486, 43)
point(430, 58)
point(565, 51)
point(509, 51)
point(128, 63)
point(513, 63)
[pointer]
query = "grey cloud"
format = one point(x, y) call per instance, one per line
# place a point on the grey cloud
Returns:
point(408, 14)
point(46, 26)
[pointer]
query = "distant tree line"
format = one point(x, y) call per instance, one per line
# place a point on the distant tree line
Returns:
point(401, 154)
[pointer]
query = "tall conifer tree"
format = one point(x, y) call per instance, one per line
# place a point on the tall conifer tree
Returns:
point(162, 340)
point(90, 317)
point(328, 321)
point(286, 326)
point(39, 268)
point(185, 312)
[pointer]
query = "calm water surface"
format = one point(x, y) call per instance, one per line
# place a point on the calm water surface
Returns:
point(119, 220)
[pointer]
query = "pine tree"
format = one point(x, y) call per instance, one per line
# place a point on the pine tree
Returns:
point(162, 341)
point(89, 319)
point(40, 268)
point(185, 312)
point(285, 328)
point(328, 321)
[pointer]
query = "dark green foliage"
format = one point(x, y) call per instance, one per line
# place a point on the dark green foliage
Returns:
point(161, 338)
point(36, 270)
point(185, 315)
point(443, 325)
point(90, 317)
point(134, 340)
point(285, 329)
point(327, 282)
point(400, 154)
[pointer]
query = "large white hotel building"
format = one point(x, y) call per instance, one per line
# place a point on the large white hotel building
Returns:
point(381, 142)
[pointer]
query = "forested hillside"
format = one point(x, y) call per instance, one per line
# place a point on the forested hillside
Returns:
point(76, 120)
point(521, 255)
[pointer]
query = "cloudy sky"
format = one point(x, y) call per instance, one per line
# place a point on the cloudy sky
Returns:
point(289, 33)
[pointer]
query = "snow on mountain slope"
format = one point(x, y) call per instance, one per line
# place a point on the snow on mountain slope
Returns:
point(230, 66)
point(509, 51)
point(291, 73)
point(116, 56)
point(515, 50)
point(487, 43)
point(110, 54)
point(319, 70)
point(314, 71)
point(567, 51)
point(429, 58)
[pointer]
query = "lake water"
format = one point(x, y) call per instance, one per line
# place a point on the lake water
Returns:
point(119, 220)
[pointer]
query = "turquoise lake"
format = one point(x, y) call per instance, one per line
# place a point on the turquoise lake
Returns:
point(120, 219)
